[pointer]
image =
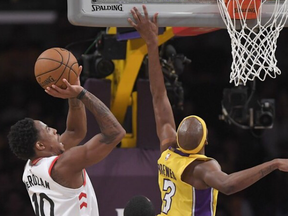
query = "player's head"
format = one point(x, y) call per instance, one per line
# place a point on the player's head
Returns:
point(192, 134)
point(139, 206)
point(30, 138)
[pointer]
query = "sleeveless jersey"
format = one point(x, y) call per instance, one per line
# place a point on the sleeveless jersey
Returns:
point(178, 197)
point(52, 199)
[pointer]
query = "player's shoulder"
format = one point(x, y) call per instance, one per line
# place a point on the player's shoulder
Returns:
point(209, 164)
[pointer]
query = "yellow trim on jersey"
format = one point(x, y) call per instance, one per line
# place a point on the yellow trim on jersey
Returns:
point(204, 136)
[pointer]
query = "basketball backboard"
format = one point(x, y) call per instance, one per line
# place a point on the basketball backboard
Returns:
point(184, 13)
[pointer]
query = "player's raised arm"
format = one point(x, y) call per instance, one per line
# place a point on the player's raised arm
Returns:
point(98, 146)
point(111, 130)
point(76, 123)
point(165, 124)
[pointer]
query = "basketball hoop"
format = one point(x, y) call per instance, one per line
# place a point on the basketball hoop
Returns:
point(253, 36)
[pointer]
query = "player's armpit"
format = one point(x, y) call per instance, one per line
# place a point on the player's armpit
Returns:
point(210, 173)
point(92, 152)
point(166, 143)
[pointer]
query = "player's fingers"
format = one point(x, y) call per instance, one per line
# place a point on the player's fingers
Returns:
point(66, 83)
point(155, 19)
point(136, 18)
point(48, 92)
point(54, 94)
point(138, 14)
point(55, 88)
point(145, 12)
point(48, 89)
point(51, 91)
point(80, 69)
point(132, 23)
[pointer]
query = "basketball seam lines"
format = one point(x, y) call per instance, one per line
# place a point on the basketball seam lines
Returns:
point(51, 69)
point(55, 68)
point(64, 65)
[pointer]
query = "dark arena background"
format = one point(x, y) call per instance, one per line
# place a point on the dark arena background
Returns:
point(132, 171)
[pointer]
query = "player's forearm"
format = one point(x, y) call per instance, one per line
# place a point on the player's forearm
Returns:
point(245, 178)
point(156, 77)
point(76, 118)
point(109, 126)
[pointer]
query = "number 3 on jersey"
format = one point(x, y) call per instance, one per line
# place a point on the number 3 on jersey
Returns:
point(170, 189)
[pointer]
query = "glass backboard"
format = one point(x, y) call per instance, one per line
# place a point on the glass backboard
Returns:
point(184, 13)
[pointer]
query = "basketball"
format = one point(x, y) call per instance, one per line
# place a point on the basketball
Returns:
point(55, 64)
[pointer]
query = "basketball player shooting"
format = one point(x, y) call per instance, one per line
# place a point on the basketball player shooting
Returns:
point(188, 180)
point(55, 175)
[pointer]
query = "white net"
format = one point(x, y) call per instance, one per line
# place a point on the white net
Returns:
point(254, 27)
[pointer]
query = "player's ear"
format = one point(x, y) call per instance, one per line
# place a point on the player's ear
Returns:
point(40, 146)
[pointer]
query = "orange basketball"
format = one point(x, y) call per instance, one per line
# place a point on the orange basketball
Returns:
point(55, 64)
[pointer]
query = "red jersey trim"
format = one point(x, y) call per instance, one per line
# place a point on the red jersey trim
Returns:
point(84, 173)
point(34, 162)
point(52, 164)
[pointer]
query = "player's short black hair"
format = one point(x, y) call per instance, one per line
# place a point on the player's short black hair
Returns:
point(22, 137)
point(139, 206)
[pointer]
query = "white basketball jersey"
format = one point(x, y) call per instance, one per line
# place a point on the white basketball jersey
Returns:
point(50, 198)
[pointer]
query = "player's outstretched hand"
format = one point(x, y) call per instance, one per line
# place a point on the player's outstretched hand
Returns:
point(71, 91)
point(148, 29)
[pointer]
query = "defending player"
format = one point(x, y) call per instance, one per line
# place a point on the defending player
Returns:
point(55, 175)
point(188, 180)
